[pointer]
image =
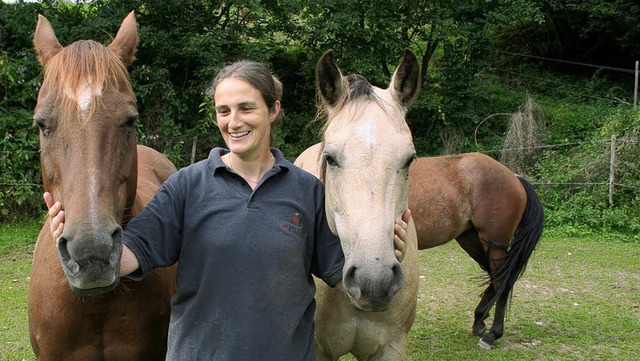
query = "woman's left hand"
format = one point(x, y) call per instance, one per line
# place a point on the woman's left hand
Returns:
point(400, 237)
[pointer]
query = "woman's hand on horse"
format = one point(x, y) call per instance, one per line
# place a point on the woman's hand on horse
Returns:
point(400, 237)
point(57, 215)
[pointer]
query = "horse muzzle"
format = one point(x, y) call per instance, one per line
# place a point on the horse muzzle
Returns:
point(91, 263)
point(372, 287)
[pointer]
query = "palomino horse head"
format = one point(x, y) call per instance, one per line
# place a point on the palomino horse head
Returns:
point(86, 112)
point(367, 150)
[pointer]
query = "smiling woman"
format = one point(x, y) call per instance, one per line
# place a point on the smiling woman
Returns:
point(245, 123)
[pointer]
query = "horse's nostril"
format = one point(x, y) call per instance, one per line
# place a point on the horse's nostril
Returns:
point(398, 279)
point(116, 235)
point(62, 247)
point(349, 280)
point(65, 256)
point(397, 270)
point(351, 273)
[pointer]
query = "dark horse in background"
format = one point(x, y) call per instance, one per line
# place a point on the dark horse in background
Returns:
point(493, 214)
point(86, 112)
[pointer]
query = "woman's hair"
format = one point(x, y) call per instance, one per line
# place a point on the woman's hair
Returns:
point(254, 73)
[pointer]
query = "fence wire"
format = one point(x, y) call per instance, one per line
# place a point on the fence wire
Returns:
point(539, 183)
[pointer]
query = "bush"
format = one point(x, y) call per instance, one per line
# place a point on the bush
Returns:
point(20, 180)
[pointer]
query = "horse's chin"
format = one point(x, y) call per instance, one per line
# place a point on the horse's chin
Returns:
point(91, 277)
point(94, 291)
point(369, 305)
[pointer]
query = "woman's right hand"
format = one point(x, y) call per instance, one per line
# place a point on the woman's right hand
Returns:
point(57, 215)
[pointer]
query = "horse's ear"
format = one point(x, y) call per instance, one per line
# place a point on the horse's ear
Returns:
point(45, 41)
point(126, 40)
point(407, 79)
point(329, 79)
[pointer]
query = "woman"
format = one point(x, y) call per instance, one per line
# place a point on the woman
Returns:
point(248, 229)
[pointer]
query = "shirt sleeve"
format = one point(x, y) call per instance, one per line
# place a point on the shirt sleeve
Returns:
point(328, 260)
point(155, 235)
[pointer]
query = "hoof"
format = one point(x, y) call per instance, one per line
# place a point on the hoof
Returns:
point(478, 331)
point(485, 345)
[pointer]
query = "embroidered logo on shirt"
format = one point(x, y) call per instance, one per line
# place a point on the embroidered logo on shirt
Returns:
point(294, 224)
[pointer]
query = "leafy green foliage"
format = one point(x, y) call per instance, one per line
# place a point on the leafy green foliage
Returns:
point(20, 190)
point(472, 82)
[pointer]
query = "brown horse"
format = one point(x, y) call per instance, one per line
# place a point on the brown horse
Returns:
point(364, 163)
point(86, 111)
point(493, 214)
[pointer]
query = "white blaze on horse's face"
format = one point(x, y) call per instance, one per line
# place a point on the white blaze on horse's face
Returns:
point(368, 148)
point(366, 134)
point(85, 94)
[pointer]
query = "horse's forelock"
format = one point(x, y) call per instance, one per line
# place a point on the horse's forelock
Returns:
point(81, 65)
point(359, 89)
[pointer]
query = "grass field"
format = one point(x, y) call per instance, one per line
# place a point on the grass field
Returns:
point(578, 300)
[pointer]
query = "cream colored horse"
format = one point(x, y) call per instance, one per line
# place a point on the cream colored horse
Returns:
point(364, 163)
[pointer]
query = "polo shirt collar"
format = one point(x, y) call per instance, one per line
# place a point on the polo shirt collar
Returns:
point(216, 163)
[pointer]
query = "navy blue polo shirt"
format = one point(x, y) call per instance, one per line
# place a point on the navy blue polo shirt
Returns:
point(246, 259)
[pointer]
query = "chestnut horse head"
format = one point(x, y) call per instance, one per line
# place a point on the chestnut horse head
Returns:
point(86, 112)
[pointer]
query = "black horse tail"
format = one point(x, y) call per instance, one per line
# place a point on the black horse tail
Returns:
point(523, 243)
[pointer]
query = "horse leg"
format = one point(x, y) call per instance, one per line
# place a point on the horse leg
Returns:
point(490, 256)
point(495, 294)
point(482, 311)
point(497, 328)
point(470, 242)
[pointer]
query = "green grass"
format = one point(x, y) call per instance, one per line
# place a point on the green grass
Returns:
point(578, 300)
point(16, 251)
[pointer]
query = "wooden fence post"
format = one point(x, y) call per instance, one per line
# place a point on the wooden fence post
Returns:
point(612, 169)
point(635, 88)
point(193, 149)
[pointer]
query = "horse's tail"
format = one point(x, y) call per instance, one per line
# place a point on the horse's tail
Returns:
point(524, 242)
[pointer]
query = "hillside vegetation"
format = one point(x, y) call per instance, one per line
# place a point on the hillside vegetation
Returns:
point(550, 83)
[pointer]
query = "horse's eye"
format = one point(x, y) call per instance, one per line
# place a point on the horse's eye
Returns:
point(410, 161)
point(131, 120)
point(405, 168)
point(44, 129)
point(330, 161)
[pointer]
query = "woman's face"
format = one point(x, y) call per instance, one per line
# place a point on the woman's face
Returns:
point(243, 117)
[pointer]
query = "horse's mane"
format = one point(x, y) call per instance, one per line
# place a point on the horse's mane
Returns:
point(81, 64)
point(357, 87)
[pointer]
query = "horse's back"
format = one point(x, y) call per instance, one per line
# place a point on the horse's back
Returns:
point(153, 169)
point(310, 158)
point(451, 194)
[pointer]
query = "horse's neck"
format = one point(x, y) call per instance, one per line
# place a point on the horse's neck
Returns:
point(132, 211)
